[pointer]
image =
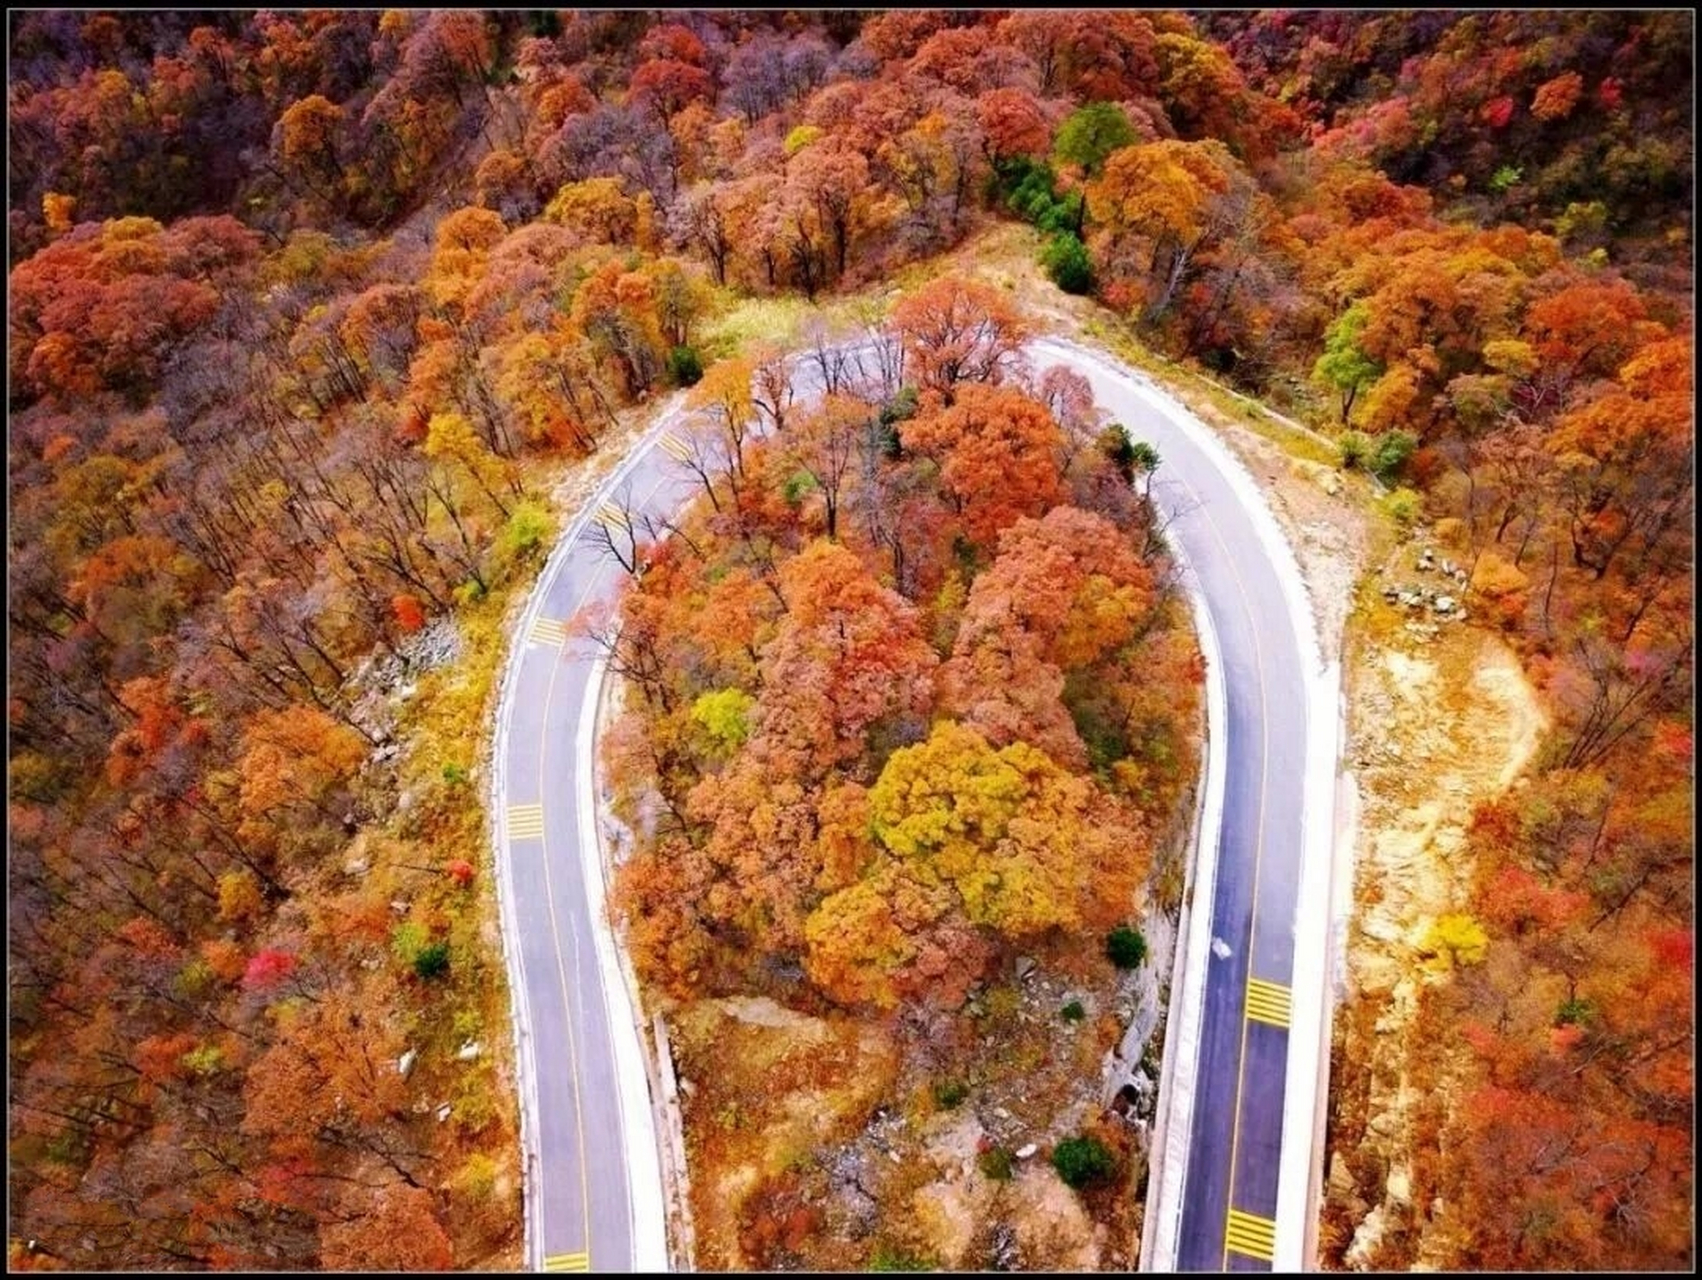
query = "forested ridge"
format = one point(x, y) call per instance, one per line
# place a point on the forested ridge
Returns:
point(307, 310)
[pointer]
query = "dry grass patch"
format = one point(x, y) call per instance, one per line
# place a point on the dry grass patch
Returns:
point(762, 1089)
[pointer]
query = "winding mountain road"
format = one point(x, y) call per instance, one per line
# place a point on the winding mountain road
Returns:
point(593, 1189)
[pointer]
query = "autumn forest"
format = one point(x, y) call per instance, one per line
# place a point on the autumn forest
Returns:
point(315, 316)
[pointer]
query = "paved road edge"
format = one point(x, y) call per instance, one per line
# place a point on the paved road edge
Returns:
point(633, 1074)
point(524, 1066)
point(1174, 1122)
point(1302, 1102)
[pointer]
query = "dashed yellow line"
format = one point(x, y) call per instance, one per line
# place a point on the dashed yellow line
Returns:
point(568, 1262)
point(548, 631)
point(1250, 1234)
point(676, 447)
point(613, 518)
point(525, 821)
point(1268, 1002)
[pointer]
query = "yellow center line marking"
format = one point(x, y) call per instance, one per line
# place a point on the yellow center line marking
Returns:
point(525, 822)
point(1250, 1234)
point(1268, 1002)
point(547, 631)
point(568, 1262)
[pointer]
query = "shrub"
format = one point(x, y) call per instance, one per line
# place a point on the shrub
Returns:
point(1125, 947)
point(1404, 507)
point(1073, 1012)
point(1355, 449)
point(800, 138)
point(528, 526)
point(204, 1060)
point(432, 960)
point(901, 407)
point(1063, 214)
point(1066, 262)
point(476, 1179)
point(950, 1093)
point(997, 1164)
point(1454, 940)
point(1115, 444)
point(1084, 1162)
point(1389, 453)
point(889, 1257)
point(1002, 1003)
point(798, 486)
point(685, 368)
point(1575, 1012)
point(407, 939)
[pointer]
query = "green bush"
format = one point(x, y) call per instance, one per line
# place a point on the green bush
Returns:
point(1062, 216)
point(1125, 947)
point(1355, 449)
point(1389, 453)
point(1073, 1012)
point(997, 1164)
point(950, 1093)
point(1115, 444)
point(432, 960)
point(1066, 262)
point(1404, 506)
point(529, 526)
point(685, 369)
point(1574, 1012)
point(1084, 1162)
point(901, 407)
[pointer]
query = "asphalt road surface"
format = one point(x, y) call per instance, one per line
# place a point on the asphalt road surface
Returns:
point(1230, 1196)
point(580, 1204)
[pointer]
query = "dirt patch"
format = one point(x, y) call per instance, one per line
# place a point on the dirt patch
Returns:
point(1441, 717)
point(761, 1089)
point(834, 1144)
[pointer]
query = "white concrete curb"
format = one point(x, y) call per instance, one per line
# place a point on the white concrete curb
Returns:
point(620, 998)
point(1305, 1091)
